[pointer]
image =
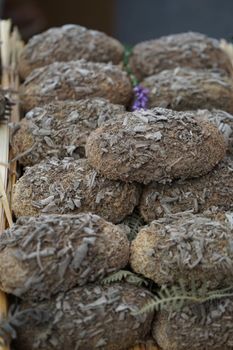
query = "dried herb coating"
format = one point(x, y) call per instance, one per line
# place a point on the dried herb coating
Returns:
point(193, 50)
point(67, 186)
point(184, 88)
point(67, 43)
point(214, 189)
point(60, 129)
point(41, 256)
point(206, 326)
point(75, 80)
point(185, 247)
point(158, 144)
point(224, 122)
point(92, 317)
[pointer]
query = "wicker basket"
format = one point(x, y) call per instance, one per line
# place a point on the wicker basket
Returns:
point(11, 46)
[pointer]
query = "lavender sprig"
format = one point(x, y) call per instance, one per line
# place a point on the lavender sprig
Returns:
point(141, 94)
point(141, 98)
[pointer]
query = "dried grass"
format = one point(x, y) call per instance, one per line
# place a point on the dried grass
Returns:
point(10, 48)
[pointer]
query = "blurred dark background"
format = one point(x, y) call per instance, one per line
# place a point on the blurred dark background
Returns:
point(130, 21)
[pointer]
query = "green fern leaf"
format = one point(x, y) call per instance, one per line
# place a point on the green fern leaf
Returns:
point(124, 275)
point(116, 277)
point(174, 298)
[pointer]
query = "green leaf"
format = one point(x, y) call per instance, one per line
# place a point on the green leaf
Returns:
point(124, 275)
point(174, 298)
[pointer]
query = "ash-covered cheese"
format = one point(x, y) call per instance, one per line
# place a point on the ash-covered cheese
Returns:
point(71, 186)
point(41, 256)
point(67, 43)
point(158, 144)
point(193, 50)
point(75, 80)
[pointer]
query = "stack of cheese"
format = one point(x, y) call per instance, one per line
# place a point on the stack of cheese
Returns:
point(65, 240)
point(91, 163)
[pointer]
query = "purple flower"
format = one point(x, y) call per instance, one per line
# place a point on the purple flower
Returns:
point(141, 98)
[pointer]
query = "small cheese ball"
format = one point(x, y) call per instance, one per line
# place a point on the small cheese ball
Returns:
point(41, 256)
point(188, 89)
point(193, 50)
point(183, 89)
point(67, 43)
point(60, 129)
point(75, 80)
point(214, 189)
point(184, 247)
point(155, 145)
point(71, 186)
point(206, 326)
point(91, 317)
